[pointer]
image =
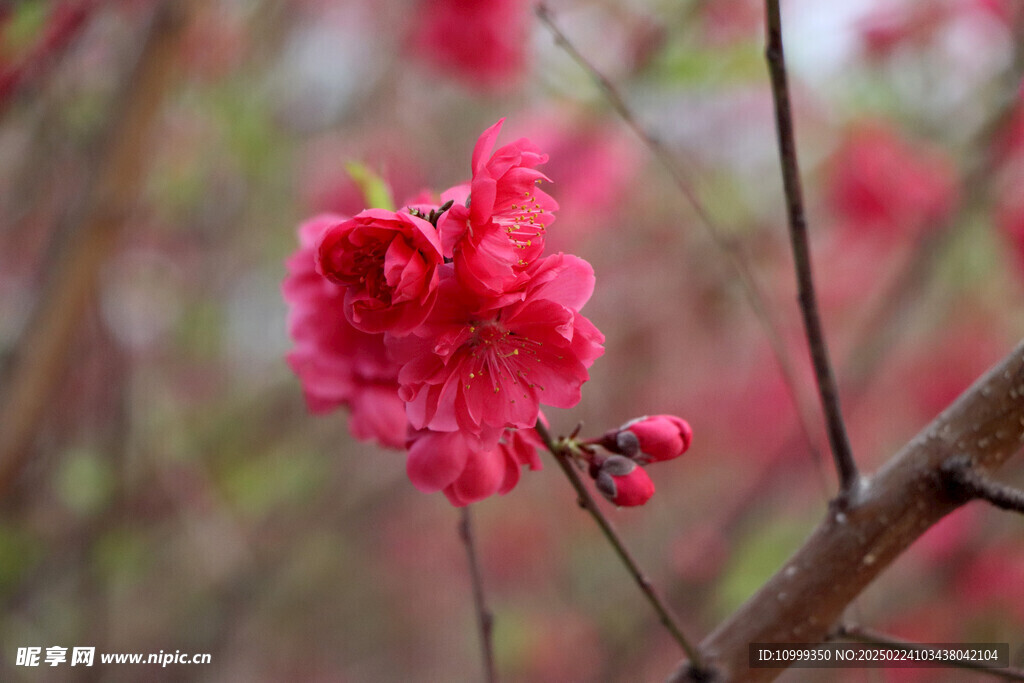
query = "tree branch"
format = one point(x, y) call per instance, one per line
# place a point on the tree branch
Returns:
point(588, 503)
point(827, 391)
point(63, 25)
point(973, 483)
point(887, 513)
point(39, 359)
point(485, 619)
point(866, 635)
point(729, 248)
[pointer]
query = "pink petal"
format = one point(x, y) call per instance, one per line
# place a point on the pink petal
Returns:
point(485, 143)
point(436, 459)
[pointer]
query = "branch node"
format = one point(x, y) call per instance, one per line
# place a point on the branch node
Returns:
point(965, 482)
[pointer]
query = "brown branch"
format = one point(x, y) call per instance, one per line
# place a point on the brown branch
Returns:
point(729, 248)
point(40, 357)
point(485, 619)
point(866, 635)
point(887, 513)
point(827, 391)
point(973, 483)
point(588, 503)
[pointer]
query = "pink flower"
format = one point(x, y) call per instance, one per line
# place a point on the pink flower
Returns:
point(501, 232)
point(468, 469)
point(479, 366)
point(388, 263)
point(623, 482)
point(337, 364)
point(594, 163)
point(882, 184)
point(650, 439)
point(481, 41)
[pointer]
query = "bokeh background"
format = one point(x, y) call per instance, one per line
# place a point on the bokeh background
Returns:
point(176, 495)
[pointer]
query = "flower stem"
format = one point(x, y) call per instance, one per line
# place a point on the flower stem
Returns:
point(485, 618)
point(587, 502)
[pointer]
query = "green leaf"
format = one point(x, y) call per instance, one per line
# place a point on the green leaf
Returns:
point(374, 188)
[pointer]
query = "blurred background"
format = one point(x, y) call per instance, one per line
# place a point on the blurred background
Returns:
point(162, 486)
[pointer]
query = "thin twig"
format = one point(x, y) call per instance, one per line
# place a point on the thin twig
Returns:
point(827, 391)
point(485, 618)
point(646, 587)
point(972, 483)
point(63, 25)
point(728, 247)
point(867, 635)
point(39, 358)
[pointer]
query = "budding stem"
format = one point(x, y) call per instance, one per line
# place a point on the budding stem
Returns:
point(562, 451)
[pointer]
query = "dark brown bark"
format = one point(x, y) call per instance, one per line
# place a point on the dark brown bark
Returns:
point(884, 515)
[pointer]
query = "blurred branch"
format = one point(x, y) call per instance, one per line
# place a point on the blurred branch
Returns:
point(827, 391)
point(40, 356)
point(890, 315)
point(728, 247)
point(866, 635)
point(64, 24)
point(588, 503)
point(484, 616)
point(888, 512)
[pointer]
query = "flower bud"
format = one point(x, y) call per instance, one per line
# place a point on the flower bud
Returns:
point(623, 482)
point(650, 438)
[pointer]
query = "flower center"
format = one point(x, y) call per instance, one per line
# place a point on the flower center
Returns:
point(365, 269)
point(497, 355)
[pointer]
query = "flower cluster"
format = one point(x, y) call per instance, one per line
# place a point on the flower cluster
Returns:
point(489, 49)
point(442, 326)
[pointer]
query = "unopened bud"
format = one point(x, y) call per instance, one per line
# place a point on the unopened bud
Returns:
point(650, 438)
point(623, 482)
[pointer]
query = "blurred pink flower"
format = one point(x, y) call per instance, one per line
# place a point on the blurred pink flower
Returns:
point(950, 536)
point(501, 232)
point(482, 42)
point(337, 364)
point(949, 363)
point(730, 21)
point(890, 26)
point(1010, 219)
point(388, 263)
point(993, 579)
point(881, 184)
point(479, 366)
